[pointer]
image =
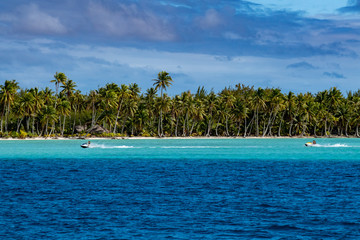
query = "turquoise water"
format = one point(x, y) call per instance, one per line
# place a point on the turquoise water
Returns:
point(217, 149)
point(180, 189)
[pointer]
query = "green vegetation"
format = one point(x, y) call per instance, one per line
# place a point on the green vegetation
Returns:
point(125, 111)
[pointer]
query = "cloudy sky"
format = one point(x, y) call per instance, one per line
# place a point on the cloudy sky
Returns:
point(297, 45)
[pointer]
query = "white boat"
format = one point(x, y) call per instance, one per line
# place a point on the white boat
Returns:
point(85, 145)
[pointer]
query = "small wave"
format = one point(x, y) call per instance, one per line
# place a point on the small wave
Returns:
point(106, 146)
point(283, 227)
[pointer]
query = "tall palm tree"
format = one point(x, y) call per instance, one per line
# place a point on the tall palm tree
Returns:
point(240, 112)
point(7, 95)
point(228, 101)
point(77, 101)
point(259, 104)
point(122, 94)
point(163, 81)
point(27, 102)
point(38, 103)
point(60, 78)
point(210, 101)
point(63, 108)
point(275, 100)
point(92, 100)
point(149, 103)
point(48, 114)
point(290, 106)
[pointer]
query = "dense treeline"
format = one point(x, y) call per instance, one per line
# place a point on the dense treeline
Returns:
point(125, 111)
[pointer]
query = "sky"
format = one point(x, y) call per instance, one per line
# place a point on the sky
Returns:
point(294, 45)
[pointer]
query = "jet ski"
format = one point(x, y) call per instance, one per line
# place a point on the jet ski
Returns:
point(85, 145)
point(309, 144)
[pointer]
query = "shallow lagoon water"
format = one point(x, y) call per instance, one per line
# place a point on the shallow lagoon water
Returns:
point(180, 189)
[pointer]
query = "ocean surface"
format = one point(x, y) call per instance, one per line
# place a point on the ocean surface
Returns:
point(180, 189)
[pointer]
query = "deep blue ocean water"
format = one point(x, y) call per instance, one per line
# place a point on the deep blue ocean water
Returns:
point(180, 189)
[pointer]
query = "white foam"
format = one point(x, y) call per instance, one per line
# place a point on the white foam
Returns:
point(94, 145)
point(336, 145)
point(181, 147)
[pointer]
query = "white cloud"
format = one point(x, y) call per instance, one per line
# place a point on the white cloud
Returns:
point(31, 19)
point(211, 19)
point(129, 21)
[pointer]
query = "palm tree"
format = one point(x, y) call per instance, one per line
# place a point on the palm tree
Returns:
point(107, 102)
point(290, 107)
point(240, 112)
point(163, 81)
point(38, 103)
point(275, 100)
point(48, 113)
point(122, 94)
point(149, 103)
point(59, 78)
point(77, 101)
point(7, 95)
point(228, 101)
point(176, 112)
point(64, 109)
point(210, 101)
point(92, 100)
point(19, 113)
point(259, 104)
point(27, 102)
point(68, 88)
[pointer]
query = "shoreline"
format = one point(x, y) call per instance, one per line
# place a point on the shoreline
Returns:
point(167, 138)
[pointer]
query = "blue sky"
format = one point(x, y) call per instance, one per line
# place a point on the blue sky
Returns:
point(297, 45)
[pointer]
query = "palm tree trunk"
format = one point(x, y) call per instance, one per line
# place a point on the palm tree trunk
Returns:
point(245, 127)
point(73, 129)
point(33, 125)
point(269, 122)
point(123, 125)
point(93, 115)
point(291, 126)
point(187, 123)
point(315, 130)
point(325, 129)
point(6, 119)
point(19, 124)
point(249, 125)
point(117, 116)
point(238, 133)
point(257, 122)
point(192, 127)
point(209, 128)
point(63, 129)
point(2, 120)
point(159, 125)
point(176, 126)
point(282, 117)
point(217, 126)
point(46, 129)
point(226, 125)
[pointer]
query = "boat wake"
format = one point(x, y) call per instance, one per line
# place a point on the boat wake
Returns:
point(94, 145)
point(336, 145)
point(191, 147)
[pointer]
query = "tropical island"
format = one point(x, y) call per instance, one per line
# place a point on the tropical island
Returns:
point(115, 111)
